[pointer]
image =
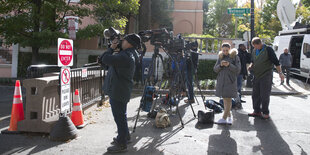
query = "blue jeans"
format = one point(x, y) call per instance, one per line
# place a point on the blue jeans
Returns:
point(239, 84)
point(119, 111)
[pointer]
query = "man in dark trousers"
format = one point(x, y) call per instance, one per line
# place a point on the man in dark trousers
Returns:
point(264, 59)
point(286, 64)
point(245, 58)
point(118, 85)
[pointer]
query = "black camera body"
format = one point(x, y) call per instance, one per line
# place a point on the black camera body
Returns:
point(110, 34)
point(176, 45)
point(156, 37)
point(191, 45)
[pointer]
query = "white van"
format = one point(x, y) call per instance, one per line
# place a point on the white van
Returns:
point(297, 41)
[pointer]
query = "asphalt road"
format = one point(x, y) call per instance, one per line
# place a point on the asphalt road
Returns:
point(287, 132)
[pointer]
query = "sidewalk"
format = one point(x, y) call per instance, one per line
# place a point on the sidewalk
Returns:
point(296, 87)
point(286, 133)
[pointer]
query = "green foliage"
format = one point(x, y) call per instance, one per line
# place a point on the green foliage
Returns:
point(304, 13)
point(42, 21)
point(24, 61)
point(205, 69)
point(306, 3)
point(217, 17)
point(38, 23)
point(108, 13)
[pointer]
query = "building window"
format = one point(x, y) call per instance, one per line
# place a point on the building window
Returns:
point(306, 50)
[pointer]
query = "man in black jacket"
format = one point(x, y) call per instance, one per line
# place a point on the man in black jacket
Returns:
point(118, 85)
point(245, 58)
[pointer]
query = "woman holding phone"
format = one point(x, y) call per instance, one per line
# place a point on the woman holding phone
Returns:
point(227, 68)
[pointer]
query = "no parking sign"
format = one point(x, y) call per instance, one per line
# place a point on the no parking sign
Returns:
point(65, 77)
point(65, 52)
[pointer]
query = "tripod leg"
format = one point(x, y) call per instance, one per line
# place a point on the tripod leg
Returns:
point(177, 108)
point(134, 128)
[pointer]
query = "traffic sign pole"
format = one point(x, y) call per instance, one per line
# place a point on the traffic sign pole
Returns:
point(65, 60)
point(65, 98)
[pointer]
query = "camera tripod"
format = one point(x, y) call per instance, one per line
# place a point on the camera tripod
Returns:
point(151, 79)
point(175, 90)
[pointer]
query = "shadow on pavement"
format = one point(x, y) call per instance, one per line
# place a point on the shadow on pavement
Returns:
point(34, 143)
point(222, 143)
point(271, 141)
point(149, 139)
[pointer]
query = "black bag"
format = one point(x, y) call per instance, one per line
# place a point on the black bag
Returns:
point(206, 116)
point(211, 104)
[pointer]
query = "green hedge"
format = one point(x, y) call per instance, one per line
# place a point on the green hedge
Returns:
point(24, 61)
point(205, 69)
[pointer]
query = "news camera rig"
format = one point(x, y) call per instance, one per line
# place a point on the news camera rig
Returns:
point(162, 39)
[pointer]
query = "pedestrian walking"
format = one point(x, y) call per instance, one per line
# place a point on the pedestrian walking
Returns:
point(245, 58)
point(118, 86)
point(286, 60)
point(227, 68)
point(264, 59)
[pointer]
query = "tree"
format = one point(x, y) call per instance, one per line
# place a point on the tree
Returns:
point(36, 23)
point(109, 13)
point(303, 13)
point(216, 21)
point(306, 3)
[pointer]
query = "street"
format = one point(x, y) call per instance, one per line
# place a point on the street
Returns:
point(287, 132)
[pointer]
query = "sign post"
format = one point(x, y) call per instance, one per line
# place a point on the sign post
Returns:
point(65, 60)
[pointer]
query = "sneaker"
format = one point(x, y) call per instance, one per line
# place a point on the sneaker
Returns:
point(114, 142)
point(265, 116)
point(118, 148)
point(229, 121)
point(255, 114)
point(189, 101)
point(221, 121)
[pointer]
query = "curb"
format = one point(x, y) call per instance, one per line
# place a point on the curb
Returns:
point(212, 92)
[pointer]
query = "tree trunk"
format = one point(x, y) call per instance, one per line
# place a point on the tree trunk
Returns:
point(35, 55)
point(127, 24)
point(36, 28)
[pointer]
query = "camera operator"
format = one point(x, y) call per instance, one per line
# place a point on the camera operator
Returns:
point(191, 69)
point(118, 85)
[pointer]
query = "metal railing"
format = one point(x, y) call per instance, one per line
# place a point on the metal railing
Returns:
point(88, 83)
point(208, 45)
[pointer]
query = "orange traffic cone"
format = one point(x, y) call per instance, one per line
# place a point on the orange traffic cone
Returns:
point(17, 108)
point(77, 114)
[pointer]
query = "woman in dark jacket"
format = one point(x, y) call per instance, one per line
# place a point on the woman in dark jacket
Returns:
point(227, 68)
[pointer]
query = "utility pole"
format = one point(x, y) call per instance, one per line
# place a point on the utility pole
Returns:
point(252, 23)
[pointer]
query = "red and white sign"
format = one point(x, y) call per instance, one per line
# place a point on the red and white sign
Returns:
point(65, 52)
point(65, 78)
point(84, 72)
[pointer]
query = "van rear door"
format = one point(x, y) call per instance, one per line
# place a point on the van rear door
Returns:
point(305, 56)
point(283, 43)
